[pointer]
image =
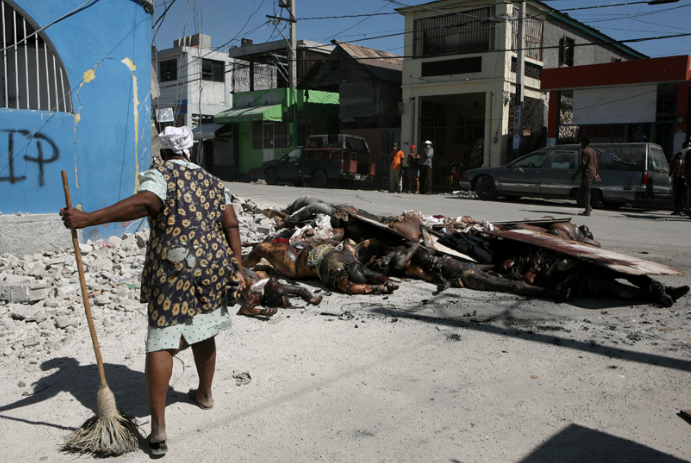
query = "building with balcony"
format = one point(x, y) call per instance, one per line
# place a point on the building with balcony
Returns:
point(459, 77)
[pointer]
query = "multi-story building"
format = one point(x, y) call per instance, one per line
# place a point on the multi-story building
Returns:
point(459, 76)
point(195, 83)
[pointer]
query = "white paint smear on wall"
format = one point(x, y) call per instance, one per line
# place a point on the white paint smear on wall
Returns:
point(615, 105)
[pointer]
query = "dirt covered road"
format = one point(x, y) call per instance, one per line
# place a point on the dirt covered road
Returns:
point(416, 376)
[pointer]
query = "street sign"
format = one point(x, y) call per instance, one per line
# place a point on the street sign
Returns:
point(165, 115)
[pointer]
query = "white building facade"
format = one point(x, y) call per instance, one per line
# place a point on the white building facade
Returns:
point(459, 77)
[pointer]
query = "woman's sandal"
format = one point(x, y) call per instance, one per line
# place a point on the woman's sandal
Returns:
point(157, 448)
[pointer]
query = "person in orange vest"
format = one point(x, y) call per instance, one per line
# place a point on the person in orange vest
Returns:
point(395, 169)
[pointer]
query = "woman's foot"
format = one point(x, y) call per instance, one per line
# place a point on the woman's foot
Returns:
point(200, 400)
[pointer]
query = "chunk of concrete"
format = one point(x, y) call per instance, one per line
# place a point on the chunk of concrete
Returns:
point(23, 292)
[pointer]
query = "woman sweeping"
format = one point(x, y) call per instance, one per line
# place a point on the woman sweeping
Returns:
point(191, 273)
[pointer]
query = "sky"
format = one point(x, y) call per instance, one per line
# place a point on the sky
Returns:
point(375, 23)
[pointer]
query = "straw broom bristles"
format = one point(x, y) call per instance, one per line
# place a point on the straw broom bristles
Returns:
point(111, 433)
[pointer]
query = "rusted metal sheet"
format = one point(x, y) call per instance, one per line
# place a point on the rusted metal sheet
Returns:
point(618, 262)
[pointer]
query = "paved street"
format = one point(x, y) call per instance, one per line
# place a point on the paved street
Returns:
point(647, 233)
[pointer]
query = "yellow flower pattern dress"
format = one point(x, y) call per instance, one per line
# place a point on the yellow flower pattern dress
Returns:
point(189, 267)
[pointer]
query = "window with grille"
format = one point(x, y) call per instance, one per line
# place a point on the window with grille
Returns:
point(452, 66)
point(268, 135)
point(458, 33)
point(32, 75)
point(168, 70)
point(213, 70)
point(530, 70)
point(532, 30)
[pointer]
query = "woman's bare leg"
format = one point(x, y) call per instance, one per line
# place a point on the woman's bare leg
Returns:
point(157, 372)
point(205, 361)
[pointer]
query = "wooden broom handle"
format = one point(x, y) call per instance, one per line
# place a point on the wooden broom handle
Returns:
point(82, 281)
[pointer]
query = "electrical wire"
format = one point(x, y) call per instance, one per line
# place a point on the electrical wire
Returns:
point(55, 21)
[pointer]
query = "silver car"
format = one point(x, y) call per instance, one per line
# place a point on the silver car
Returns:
point(630, 173)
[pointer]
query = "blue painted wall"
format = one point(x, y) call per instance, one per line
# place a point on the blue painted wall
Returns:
point(106, 50)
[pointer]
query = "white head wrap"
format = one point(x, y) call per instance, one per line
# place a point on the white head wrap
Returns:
point(178, 139)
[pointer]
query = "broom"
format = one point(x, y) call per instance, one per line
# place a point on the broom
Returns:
point(110, 433)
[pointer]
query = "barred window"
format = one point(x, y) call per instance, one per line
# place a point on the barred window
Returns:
point(270, 135)
point(32, 75)
point(458, 33)
point(533, 36)
point(531, 70)
point(452, 66)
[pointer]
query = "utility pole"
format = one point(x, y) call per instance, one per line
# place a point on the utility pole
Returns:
point(520, 78)
point(293, 47)
point(292, 65)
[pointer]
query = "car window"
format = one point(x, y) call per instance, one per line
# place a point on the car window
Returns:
point(562, 160)
point(623, 157)
point(657, 161)
point(532, 160)
point(294, 154)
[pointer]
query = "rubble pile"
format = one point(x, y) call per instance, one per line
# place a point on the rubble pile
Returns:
point(41, 305)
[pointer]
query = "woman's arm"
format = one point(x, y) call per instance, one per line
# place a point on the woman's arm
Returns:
point(135, 207)
point(231, 231)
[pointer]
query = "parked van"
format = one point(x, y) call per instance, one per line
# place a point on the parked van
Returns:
point(630, 172)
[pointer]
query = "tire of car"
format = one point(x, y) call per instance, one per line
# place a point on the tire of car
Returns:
point(319, 179)
point(486, 189)
point(270, 177)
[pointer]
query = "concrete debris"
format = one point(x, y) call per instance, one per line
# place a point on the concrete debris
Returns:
point(41, 306)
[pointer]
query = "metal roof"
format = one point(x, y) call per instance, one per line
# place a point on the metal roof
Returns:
point(371, 57)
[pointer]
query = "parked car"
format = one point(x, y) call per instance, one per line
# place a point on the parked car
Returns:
point(342, 158)
point(630, 172)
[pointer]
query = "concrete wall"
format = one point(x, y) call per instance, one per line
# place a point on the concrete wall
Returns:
point(106, 51)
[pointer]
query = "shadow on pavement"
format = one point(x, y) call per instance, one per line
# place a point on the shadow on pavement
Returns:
point(577, 444)
point(483, 324)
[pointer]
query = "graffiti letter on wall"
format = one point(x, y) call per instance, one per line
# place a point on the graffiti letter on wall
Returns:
point(39, 158)
point(10, 160)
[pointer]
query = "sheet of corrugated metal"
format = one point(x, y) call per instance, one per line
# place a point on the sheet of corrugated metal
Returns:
point(619, 262)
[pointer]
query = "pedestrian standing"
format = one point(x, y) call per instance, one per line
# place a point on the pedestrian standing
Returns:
point(587, 167)
point(676, 173)
point(426, 168)
point(395, 168)
point(413, 171)
point(687, 182)
point(192, 270)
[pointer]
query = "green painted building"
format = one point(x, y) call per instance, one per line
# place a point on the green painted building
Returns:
point(268, 123)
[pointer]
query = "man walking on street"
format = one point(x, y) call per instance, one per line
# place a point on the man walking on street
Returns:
point(676, 173)
point(588, 168)
point(687, 180)
point(426, 168)
point(395, 169)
